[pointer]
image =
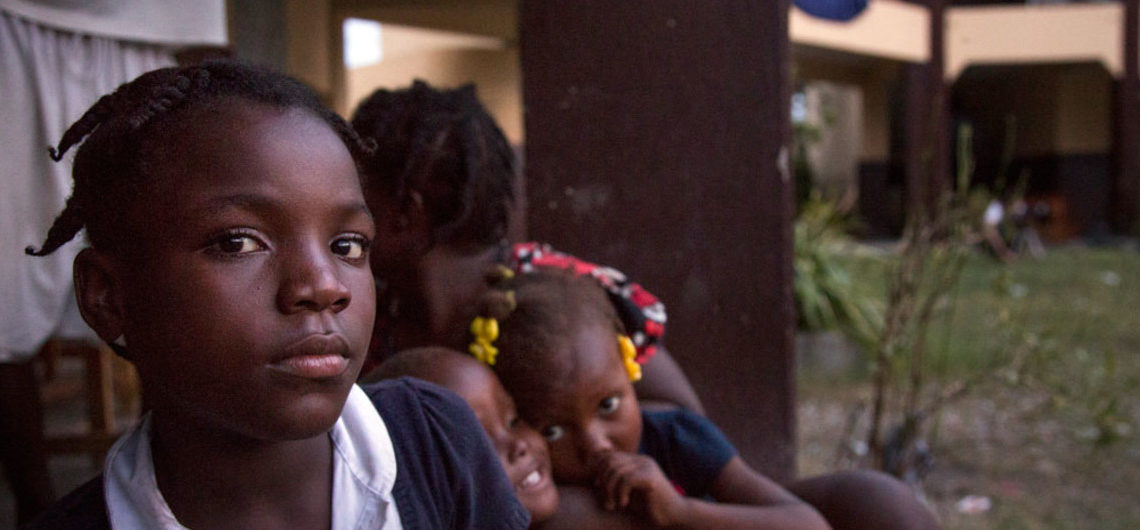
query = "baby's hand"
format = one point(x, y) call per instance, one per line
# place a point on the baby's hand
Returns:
point(621, 477)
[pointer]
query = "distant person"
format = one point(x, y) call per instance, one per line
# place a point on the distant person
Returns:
point(228, 261)
point(992, 219)
point(1026, 239)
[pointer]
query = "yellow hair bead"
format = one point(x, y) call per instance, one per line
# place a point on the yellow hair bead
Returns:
point(506, 272)
point(628, 357)
point(485, 330)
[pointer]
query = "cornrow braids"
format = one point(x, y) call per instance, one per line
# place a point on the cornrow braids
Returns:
point(118, 151)
point(441, 147)
point(537, 313)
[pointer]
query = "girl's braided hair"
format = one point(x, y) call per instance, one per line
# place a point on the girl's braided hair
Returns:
point(443, 148)
point(537, 314)
point(122, 135)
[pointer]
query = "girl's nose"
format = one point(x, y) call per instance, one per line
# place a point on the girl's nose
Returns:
point(311, 283)
point(518, 448)
point(594, 442)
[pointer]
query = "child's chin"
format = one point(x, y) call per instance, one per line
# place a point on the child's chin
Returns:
point(314, 417)
point(543, 508)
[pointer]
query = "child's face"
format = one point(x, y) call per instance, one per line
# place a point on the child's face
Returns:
point(522, 451)
point(248, 304)
point(593, 411)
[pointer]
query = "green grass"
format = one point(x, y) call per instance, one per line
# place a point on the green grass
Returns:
point(1079, 301)
point(1055, 447)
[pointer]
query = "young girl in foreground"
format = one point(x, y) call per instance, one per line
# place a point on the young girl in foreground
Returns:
point(229, 262)
point(560, 350)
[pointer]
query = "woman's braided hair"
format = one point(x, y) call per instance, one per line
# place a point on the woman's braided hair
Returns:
point(118, 133)
point(441, 147)
point(537, 314)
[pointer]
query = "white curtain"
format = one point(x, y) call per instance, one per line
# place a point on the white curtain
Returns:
point(48, 78)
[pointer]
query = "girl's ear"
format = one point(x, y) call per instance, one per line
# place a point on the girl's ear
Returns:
point(99, 294)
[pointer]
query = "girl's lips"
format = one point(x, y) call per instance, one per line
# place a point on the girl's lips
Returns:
point(314, 357)
point(532, 481)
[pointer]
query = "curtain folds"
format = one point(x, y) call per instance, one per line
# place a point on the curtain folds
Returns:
point(48, 78)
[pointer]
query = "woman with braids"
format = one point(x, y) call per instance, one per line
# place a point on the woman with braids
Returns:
point(444, 185)
point(228, 261)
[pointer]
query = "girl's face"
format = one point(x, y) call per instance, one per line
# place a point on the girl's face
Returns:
point(521, 450)
point(592, 411)
point(248, 302)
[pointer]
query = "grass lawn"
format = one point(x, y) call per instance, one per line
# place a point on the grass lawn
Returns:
point(1053, 445)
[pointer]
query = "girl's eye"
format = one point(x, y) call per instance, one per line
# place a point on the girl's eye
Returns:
point(350, 247)
point(609, 405)
point(237, 244)
point(552, 433)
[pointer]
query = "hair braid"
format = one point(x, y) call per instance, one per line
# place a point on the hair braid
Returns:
point(86, 123)
point(443, 146)
point(69, 222)
point(163, 98)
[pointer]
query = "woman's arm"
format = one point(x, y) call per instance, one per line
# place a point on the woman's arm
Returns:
point(748, 499)
point(664, 385)
point(744, 498)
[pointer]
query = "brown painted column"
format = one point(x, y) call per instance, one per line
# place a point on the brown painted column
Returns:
point(656, 141)
point(1125, 191)
point(926, 120)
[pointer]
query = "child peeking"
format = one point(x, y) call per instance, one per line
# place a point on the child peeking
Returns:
point(559, 349)
point(228, 261)
point(522, 451)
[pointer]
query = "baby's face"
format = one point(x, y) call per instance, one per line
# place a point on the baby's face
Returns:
point(521, 450)
point(593, 411)
point(249, 302)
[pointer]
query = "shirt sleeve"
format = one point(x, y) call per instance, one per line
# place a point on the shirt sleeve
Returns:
point(448, 476)
point(691, 451)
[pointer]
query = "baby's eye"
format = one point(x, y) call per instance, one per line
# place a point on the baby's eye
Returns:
point(552, 433)
point(350, 247)
point(237, 244)
point(609, 405)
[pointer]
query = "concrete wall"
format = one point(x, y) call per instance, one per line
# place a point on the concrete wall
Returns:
point(873, 79)
point(1035, 34)
point(447, 60)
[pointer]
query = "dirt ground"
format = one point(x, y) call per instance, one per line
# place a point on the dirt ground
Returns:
point(1010, 447)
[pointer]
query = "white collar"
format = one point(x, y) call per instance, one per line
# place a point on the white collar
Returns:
point(364, 472)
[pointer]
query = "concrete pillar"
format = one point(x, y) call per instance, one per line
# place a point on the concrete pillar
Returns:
point(1125, 190)
point(926, 121)
point(657, 141)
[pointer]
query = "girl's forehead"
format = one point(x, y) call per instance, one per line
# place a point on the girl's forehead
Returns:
point(250, 157)
point(244, 142)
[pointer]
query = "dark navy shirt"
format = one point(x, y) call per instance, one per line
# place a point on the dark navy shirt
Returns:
point(689, 448)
